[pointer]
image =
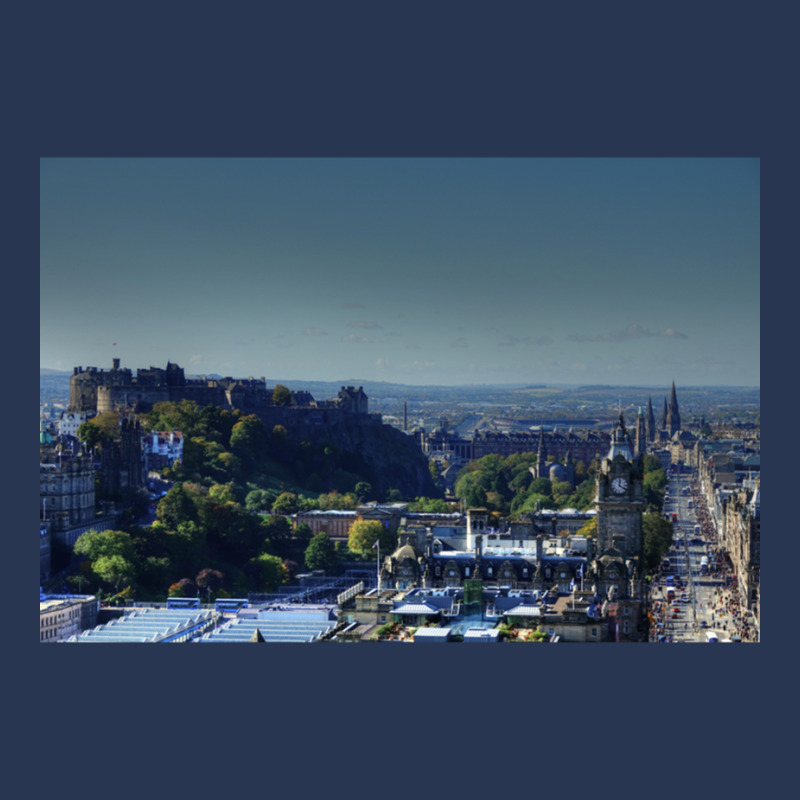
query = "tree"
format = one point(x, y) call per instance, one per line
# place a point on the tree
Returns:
point(588, 529)
point(276, 527)
point(100, 429)
point(285, 503)
point(321, 553)
point(657, 538)
point(183, 588)
point(114, 569)
point(209, 581)
point(259, 500)
point(249, 440)
point(266, 572)
point(302, 532)
point(364, 533)
point(96, 544)
point(222, 493)
point(281, 396)
point(176, 507)
point(363, 490)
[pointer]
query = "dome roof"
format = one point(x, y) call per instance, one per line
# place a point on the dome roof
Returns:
point(404, 552)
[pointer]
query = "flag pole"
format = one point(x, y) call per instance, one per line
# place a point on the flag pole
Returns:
point(378, 566)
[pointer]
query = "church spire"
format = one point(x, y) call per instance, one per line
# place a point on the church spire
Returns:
point(673, 416)
point(651, 421)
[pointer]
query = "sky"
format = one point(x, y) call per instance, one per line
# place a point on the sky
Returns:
point(415, 271)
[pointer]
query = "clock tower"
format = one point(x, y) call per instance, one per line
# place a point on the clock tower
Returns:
point(617, 571)
point(620, 498)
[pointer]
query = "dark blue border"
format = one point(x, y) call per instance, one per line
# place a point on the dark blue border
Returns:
point(365, 79)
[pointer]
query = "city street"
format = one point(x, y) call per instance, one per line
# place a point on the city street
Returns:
point(693, 595)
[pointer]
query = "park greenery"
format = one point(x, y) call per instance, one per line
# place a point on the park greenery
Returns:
point(506, 486)
point(223, 529)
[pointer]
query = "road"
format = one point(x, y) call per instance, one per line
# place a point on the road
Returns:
point(700, 602)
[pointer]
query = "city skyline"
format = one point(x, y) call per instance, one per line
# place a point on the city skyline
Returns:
point(414, 271)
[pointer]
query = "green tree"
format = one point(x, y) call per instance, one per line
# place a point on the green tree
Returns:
point(285, 503)
point(259, 500)
point(276, 528)
point(655, 484)
point(363, 489)
point(561, 491)
point(321, 553)
point(302, 532)
point(176, 506)
point(281, 396)
point(249, 441)
point(115, 570)
point(95, 544)
point(364, 533)
point(657, 534)
point(266, 572)
point(222, 493)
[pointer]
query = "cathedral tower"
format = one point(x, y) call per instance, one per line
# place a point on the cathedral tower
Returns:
point(651, 421)
point(673, 421)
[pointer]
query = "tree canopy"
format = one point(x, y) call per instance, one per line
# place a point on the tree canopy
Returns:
point(321, 553)
point(364, 533)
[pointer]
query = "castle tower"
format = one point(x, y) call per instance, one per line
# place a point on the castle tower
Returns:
point(673, 419)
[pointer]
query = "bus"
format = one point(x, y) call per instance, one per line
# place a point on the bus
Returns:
point(711, 637)
point(704, 565)
point(670, 594)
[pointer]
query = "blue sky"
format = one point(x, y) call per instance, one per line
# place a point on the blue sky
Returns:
point(416, 271)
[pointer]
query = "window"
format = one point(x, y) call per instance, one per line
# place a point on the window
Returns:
point(594, 632)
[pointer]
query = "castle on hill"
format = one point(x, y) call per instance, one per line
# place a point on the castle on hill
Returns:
point(119, 389)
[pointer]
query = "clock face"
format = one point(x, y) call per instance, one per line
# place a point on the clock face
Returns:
point(619, 485)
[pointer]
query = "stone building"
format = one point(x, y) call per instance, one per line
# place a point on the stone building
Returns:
point(95, 390)
point(66, 489)
point(617, 571)
point(742, 536)
point(62, 616)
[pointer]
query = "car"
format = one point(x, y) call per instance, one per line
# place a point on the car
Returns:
point(703, 623)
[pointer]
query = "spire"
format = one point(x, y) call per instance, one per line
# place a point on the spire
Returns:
point(620, 441)
point(651, 421)
point(673, 416)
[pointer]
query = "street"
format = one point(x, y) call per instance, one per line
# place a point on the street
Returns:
point(693, 594)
